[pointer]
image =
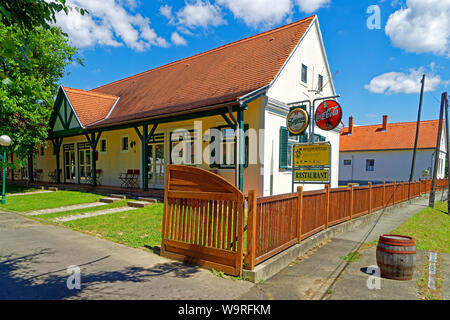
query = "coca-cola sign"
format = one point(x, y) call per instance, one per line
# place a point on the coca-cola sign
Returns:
point(328, 115)
point(297, 121)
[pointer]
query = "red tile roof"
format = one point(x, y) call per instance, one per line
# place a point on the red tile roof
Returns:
point(397, 136)
point(90, 106)
point(211, 78)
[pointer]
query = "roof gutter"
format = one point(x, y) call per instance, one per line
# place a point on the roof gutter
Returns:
point(252, 96)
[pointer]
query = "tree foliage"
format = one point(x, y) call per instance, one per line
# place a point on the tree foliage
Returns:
point(30, 81)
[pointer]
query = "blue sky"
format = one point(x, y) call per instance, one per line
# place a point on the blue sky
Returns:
point(379, 70)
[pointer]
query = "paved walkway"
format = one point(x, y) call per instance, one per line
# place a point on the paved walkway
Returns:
point(93, 214)
point(34, 259)
point(322, 274)
point(66, 208)
point(28, 193)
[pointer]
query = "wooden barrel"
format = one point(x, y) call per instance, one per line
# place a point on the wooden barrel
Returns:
point(396, 256)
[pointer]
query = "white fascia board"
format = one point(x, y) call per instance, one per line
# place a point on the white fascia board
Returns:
point(73, 110)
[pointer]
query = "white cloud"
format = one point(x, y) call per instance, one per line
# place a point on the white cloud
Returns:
point(177, 39)
point(399, 82)
point(108, 23)
point(166, 11)
point(200, 14)
point(310, 6)
point(421, 26)
point(256, 13)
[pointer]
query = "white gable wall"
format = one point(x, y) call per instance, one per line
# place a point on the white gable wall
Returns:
point(287, 88)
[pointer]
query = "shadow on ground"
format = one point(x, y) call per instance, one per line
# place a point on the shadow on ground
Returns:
point(19, 279)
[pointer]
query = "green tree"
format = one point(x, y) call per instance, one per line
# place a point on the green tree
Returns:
point(26, 94)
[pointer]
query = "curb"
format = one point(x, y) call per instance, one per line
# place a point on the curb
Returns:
point(272, 266)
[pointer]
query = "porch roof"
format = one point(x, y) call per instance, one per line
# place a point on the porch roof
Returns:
point(205, 81)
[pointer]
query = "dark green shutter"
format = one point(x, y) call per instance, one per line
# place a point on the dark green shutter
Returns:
point(284, 148)
point(303, 138)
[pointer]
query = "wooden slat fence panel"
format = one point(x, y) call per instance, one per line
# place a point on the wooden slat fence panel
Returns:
point(340, 206)
point(313, 213)
point(377, 197)
point(361, 201)
point(203, 219)
point(276, 225)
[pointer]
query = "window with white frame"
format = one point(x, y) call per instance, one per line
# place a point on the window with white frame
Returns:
point(304, 75)
point(102, 147)
point(370, 165)
point(124, 143)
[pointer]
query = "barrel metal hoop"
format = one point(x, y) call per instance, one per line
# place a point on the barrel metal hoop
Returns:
point(396, 252)
point(398, 244)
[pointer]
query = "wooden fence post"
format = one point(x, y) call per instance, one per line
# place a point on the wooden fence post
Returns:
point(384, 194)
point(370, 197)
point(327, 203)
point(351, 201)
point(395, 191)
point(299, 212)
point(420, 182)
point(251, 230)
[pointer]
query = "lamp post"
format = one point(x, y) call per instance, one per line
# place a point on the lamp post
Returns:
point(4, 142)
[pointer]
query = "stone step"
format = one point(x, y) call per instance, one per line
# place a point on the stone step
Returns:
point(118, 196)
point(109, 200)
point(139, 204)
point(53, 188)
point(151, 200)
point(65, 208)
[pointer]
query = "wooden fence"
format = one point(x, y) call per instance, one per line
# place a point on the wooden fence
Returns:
point(278, 222)
point(203, 219)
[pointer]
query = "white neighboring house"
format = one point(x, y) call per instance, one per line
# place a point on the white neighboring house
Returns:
point(384, 152)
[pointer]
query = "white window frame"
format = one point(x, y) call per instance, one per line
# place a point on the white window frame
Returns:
point(301, 73)
point(121, 143)
point(106, 142)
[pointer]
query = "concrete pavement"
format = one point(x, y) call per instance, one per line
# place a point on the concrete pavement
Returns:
point(34, 259)
point(322, 274)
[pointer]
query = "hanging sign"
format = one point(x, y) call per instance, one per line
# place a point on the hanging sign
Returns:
point(312, 155)
point(297, 121)
point(328, 115)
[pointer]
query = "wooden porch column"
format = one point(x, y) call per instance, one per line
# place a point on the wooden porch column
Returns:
point(145, 137)
point(93, 142)
point(57, 143)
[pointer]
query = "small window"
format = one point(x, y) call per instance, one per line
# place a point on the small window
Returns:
point(304, 73)
point(370, 165)
point(320, 83)
point(124, 144)
point(103, 146)
point(347, 162)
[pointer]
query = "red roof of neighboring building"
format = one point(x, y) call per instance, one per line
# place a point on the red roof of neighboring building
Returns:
point(211, 78)
point(90, 106)
point(397, 136)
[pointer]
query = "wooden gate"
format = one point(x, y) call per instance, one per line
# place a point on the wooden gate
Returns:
point(203, 219)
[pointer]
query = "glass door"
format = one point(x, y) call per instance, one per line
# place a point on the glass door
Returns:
point(69, 163)
point(84, 162)
point(156, 162)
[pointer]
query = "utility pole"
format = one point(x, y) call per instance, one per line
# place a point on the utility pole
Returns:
point(437, 152)
point(411, 177)
point(447, 141)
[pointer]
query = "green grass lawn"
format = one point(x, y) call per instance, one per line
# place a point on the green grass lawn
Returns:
point(430, 228)
point(48, 200)
point(139, 228)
